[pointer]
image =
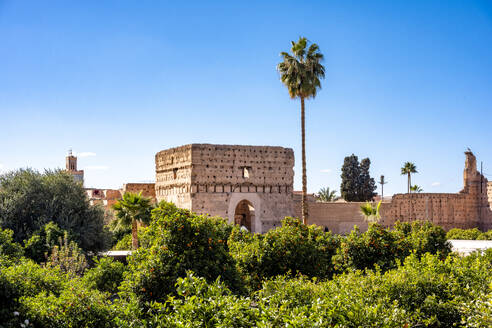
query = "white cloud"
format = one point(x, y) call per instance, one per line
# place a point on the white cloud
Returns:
point(327, 171)
point(85, 154)
point(435, 184)
point(96, 167)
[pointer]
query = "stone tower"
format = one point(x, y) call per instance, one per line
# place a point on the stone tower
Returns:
point(71, 167)
point(475, 186)
point(247, 185)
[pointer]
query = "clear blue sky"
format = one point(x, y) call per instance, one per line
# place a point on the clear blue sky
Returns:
point(405, 81)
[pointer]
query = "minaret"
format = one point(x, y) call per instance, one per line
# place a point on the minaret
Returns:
point(71, 167)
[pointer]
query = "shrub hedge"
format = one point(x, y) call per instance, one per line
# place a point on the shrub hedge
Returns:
point(197, 271)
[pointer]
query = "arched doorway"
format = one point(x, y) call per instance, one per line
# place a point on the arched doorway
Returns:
point(244, 215)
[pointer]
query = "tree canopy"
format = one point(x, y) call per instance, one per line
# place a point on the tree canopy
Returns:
point(357, 184)
point(29, 200)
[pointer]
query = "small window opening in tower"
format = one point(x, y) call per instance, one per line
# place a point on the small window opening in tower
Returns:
point(246, 172)
point(175, 173)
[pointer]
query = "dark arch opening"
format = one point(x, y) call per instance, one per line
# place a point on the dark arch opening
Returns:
point(244, 214)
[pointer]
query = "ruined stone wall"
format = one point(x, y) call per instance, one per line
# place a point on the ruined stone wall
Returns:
point(470, 208)
point(338, 217)
point(223, 175)
point(173, 176)
point(489, 192)
point(214, 179)
point(447, 210)
point(147, 189)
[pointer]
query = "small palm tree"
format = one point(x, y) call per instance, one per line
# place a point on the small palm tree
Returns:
point(371, 214)
point(416, 188)
point(301, 71)
point(407, 169)
point(130, 210)
point(326, 195)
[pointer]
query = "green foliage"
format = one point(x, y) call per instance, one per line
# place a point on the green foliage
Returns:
point(202, 304)
point(24, 278)
point(75, 306)
point(8, 248)
point(119, 232)
point(68, 257)
point(29, 200)
point(384, 247)
point(376, 246)
point(301, 70)
point(357, 184)
point(371, 214)
point(294, 265)
point(407, 169)
point(469, 234)
point(38, 247)
point(180, 241)
point(124, 244)
point(423, 237)
point(326, 195)
point(292, 248)
point(420, 293)
point(129, 211)
point(416, 188)
point(105, 276)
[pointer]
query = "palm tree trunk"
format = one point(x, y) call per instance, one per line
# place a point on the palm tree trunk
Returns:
point(134, 235)
point(409, 182)
point(304, 178)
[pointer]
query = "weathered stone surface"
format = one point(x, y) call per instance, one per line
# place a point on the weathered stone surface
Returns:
point(234, 182)
point(147, 189)
point(469, 208)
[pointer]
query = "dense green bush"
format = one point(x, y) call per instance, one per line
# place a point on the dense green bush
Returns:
point(68, 257)
point(292, 248)
point(29, 200)
point(24, 278)
point(425, 237)
point(190, 271)
point(469, 234)
point(75, 306)
point(125, 242)
point(180, 241)
point(377, 246)
point(39, 246)
point(106, 275)
point(8, 248)
point(420, 293)
point(204, 304)
point(384, 247)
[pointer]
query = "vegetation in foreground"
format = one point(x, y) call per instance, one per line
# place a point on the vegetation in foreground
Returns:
point(198, 271)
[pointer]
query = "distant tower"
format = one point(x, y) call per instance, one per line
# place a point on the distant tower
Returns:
point(71, 167)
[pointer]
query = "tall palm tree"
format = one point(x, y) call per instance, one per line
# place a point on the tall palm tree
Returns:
point(130, 210)
point(407, 169)
point(301, 71)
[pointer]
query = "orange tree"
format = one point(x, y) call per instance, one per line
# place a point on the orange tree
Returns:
point(179, 240)
point(294, 248)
